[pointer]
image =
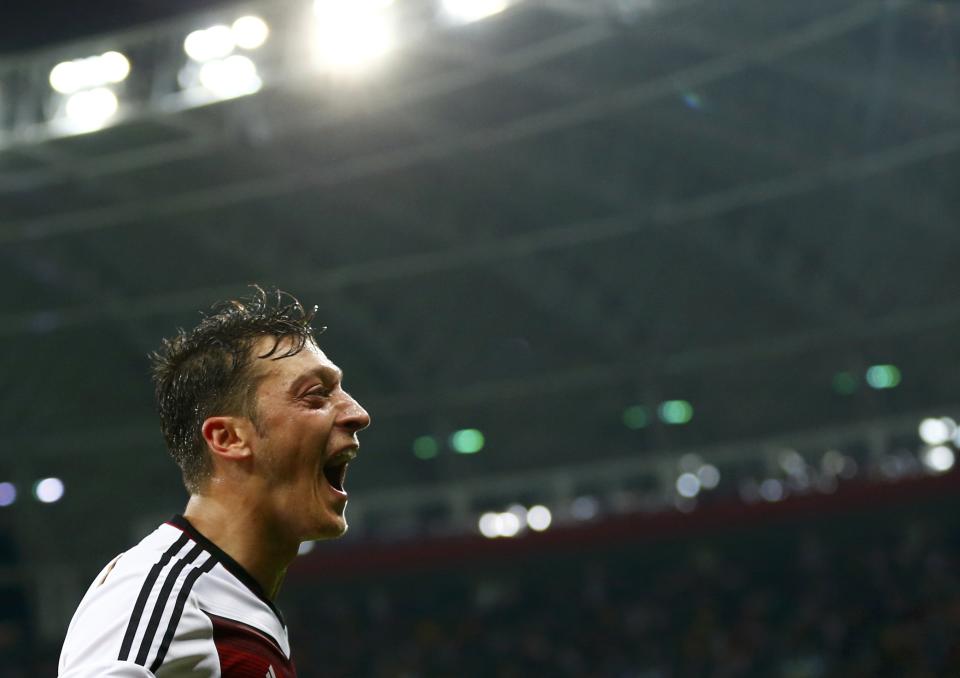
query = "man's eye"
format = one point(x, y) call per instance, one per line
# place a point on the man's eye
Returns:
point(321, 392)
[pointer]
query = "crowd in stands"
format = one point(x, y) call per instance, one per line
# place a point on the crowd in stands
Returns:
point(869, 596)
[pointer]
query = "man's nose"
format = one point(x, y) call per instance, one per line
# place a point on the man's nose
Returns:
point(354, 416)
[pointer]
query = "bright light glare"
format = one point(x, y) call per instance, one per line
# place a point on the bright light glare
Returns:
point(68, 77)
point(936, 431)
point(232, 77)
point(709, 476)
point(305, 547)
point(91, 109)
point(938, 459)
point(539, 518)
point(8, 494)
point(48, 490)
point(465, 11)
point(249, 32)
point(211, 43)
point(351, 33)
point(688, 485)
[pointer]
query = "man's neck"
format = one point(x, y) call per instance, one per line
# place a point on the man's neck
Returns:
point(243, 535)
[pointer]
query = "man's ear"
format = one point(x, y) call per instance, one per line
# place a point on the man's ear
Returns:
point(228, 437)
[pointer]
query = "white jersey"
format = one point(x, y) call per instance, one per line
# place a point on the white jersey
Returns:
point(176, 606)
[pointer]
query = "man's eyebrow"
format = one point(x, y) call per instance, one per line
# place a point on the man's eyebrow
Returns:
point(328, 375)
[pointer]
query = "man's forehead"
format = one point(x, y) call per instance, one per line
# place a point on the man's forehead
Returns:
point(309, 358)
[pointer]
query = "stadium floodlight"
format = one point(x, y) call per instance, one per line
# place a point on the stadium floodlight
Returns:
point(938, 459)
point(231, 77)
point(539, 518)
point(207, 44)
point(89, 110)
point(48, 490)
point(468, 11)
point(250, 32)
point(351, 34)
point(688, 485)
point(108, 68)
point(8, 494)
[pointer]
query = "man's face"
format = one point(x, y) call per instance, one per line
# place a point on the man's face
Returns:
point(308, 426)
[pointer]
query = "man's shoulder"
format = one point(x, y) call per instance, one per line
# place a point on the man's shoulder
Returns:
point(134, 606)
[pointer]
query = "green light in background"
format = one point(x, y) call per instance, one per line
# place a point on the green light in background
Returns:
point(844, 383)
point(675, 412)
point(883, 376)
point(425, 447)
point(635, 417)
point(467, 441)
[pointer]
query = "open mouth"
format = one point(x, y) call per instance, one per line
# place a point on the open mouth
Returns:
point(335, 473)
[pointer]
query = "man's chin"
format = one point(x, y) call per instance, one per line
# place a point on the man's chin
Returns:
point(331, 529)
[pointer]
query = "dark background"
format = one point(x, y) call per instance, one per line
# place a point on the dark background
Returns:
point(525, 226)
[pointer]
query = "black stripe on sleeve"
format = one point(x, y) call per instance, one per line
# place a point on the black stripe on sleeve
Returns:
point(162, 600)
point(145, 593)
point(178, 610)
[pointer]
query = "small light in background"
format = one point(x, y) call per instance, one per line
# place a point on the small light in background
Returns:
point(508, 525)
point(489, 526)
point(8, 494)
point(688, 485)
point(709, 476)
point(539, 518)
point(692, 100)
point(305, 547)
point(883, 376)
point(584, 508)
point(844, 383)
point(350, 34)
point(48, 490)
point(938, 459)
point(520, 512)
point(675, 412)
point(635, 417)
point(467, 11)
point(467, 441)
point(936, 431)
point(425, 447)
point(771, 490)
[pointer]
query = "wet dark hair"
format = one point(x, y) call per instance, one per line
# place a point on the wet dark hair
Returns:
point(208, 371)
